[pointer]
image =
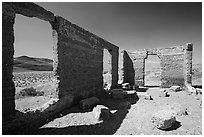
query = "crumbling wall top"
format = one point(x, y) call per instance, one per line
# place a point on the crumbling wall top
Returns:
point(30, 9)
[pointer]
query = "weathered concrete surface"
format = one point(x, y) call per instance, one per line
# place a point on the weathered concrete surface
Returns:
point(80, 60)
point(8, 88)
point(78, 56)
point(89, 103)
point(175, 62)
point(32, 10)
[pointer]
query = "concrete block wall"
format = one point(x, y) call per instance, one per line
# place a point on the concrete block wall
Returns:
point(8, 89)
point(78, 56)
point(175, 62)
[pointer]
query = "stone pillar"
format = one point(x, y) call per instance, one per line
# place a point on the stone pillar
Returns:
point(188, 64)
point(128, 72)
point(8, 88)
point(114, 60)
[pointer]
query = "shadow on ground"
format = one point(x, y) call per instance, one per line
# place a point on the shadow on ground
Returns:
point(175, 126)
point(107, 127)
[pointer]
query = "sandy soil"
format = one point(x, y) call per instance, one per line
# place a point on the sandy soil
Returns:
point(135, 121)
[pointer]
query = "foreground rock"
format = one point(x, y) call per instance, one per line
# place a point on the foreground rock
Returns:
point(163, 119)
point(101, 112)
point(175, 88)
point(89, 103)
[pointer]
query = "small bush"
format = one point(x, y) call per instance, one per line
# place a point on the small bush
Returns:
point(29, 92)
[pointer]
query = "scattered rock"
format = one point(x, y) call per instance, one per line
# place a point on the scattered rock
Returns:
point(107, 87)
point(199, 91)
point(201, 104)
point(191, 89)
point(175, 88)
point(89, 102)
point(125, 85)
point(101, 112)
point(163, 119)
point(125, 105)
point(145, 96)
point(163, 93)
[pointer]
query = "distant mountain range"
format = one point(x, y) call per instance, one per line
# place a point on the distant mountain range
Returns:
point(25, 63)
point(152, 71)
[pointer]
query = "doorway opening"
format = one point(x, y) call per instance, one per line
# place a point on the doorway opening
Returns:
point(152, 71)
point(107, 70)
point(33, 75)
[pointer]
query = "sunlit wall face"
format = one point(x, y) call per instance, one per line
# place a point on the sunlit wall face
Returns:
point(138, 25)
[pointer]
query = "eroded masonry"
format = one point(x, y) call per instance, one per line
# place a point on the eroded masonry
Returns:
point(175, 62)
point(78, 59)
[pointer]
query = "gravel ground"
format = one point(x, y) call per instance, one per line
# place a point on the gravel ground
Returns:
point(134, 121)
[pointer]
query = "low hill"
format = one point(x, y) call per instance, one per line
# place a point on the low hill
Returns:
point(25, 63)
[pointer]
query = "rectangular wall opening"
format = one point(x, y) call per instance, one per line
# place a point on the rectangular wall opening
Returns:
point(107, 70)
point(33, 75)
point(152, 71)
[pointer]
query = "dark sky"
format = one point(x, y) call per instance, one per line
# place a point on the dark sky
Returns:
point(129, 26)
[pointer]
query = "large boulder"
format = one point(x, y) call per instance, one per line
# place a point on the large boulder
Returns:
point(164, 119)
point(101, 112)
point(175, 88)
point(89, 102)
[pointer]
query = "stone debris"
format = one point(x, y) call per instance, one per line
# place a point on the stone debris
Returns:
point(107, 87)
point(164, 93)
point(145, 96)
point(131, 94)
point(199, 90)
point(101, 112)
point(191, 89)
point(89, 102)
point(125, 105)
point(175, 88)
point(164, 119)
point(125, 85)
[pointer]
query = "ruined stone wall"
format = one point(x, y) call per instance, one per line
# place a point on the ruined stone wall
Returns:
point(78, 56)
point(80, 59)
point(8, 89)
point(175, 62)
